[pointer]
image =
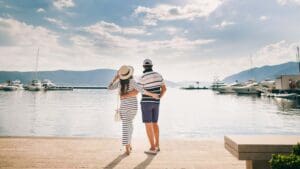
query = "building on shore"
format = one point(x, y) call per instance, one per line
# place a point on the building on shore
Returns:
point(286, 82)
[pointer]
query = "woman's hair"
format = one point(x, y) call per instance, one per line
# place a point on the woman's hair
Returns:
point(124, 85)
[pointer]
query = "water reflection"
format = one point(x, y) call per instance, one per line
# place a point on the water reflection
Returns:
point(288, 105)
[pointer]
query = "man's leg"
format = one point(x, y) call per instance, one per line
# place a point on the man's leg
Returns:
point(155, 112)
point(156, 134)
point(150, 134)
point(147, 116)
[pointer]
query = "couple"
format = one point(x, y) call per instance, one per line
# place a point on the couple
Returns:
point(152, 87)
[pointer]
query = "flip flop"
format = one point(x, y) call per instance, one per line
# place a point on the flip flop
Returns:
point(157, 149)
point(151, 152)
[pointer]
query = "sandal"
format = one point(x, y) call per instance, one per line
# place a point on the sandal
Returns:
point(151, 152)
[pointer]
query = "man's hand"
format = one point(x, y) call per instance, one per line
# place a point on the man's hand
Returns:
point(132, 93)
point(163, 90)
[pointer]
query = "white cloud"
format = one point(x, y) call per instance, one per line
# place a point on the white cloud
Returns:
point(56, 22)
point(98, 49)
point(276, 53)
point(61, 4)
point(263, 18)
point(103, 26)
point(284, 2)
point(190, 11)
point(105, 34)
point(223, 24)
point(40, 10)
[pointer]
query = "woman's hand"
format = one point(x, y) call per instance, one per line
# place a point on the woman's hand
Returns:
point(155, 96)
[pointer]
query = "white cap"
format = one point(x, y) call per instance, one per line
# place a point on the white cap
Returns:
point(147, 62)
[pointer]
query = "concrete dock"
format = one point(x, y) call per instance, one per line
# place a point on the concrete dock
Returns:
point(94, 153)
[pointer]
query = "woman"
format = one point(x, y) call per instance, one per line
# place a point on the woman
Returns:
point(128, 108)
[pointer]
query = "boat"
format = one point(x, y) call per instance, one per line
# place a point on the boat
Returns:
point(229, 88)
point(48, 85)
point(2, 85)
point(35, 85)
point(287, 95)
point(247, 89)
point(217, 84)
point(13, 85)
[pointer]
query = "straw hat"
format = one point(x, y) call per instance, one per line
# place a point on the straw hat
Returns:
point(125, 72)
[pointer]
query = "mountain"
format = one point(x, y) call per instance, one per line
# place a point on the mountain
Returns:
point(264, 72)
point(98, 77)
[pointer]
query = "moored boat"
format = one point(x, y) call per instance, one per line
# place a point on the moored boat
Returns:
point(35, 85)
point(229, 88)
point(247, 89)
point(13, 85)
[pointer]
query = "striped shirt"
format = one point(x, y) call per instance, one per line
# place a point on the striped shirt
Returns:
point(152, 82)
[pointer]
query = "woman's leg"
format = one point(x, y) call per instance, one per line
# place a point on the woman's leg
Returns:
point(132, 114)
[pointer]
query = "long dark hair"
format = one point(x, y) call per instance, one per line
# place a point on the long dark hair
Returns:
point(124, 85)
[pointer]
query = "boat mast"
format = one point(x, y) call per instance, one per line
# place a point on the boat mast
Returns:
point(251, 68)
point(298, 58)
point(36, 64)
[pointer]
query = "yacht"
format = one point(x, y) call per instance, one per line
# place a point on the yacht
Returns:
point(229, 88)
point(13, 85)
point(35, 85)
point(48, 85)
point(250, 88)
point(216, 85)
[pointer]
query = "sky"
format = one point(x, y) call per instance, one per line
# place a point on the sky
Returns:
point(186, 39)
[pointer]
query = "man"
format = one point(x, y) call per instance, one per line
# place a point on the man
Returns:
point(152, 82)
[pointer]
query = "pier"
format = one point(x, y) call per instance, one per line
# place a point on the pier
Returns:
point(71, 153)
point(89, 87)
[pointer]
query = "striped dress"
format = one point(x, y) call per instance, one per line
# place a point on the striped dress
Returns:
point(128, 109)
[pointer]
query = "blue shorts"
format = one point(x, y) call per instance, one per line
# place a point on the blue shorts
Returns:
point(150, 112)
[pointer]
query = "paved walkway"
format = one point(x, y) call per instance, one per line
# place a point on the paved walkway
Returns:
point(94, 153)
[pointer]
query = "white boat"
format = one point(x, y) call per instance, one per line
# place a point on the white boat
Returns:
point(35, 85)
point(2, 85)
point(229, 88)
point(247, 89)
point(48, 84)
point(13, 85)
point(270, 84)
point(216, 85)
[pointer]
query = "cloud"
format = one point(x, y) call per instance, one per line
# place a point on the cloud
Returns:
point(40, 10)
point(103, 26)
point(61, 4)
point(105, 34)
point(284, 2)
point(56, 22)
point(165, 12)
point(223, 24)
point(276, 53)
point(98, 48)
point(263, 18)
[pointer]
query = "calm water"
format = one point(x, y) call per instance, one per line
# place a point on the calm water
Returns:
point(201, 114)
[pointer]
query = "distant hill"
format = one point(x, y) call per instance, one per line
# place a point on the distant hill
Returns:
point(98, 77)
point(265, 72)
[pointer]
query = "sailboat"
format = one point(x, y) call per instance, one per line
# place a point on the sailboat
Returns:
point(35, 84)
